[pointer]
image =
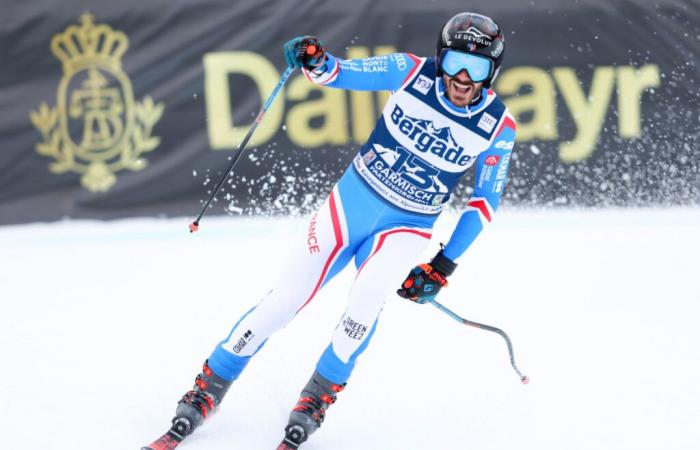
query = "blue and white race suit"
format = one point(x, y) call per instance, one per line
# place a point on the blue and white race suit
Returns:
point(382, 210)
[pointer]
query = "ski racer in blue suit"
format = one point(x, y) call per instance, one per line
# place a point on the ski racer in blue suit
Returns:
point(441, 119)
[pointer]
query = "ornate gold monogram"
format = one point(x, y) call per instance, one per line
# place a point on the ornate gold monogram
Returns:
point(96, 128)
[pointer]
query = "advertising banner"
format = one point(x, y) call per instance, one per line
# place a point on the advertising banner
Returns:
point(120, 109)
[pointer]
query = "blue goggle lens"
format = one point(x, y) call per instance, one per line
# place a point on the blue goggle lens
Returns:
point(478, 67)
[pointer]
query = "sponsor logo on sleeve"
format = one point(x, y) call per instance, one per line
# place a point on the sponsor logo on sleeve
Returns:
point(501, 174)
point(492, 174)
point(491, 160)
point(498, 187)
point(375, 64)
point(505, 145)
point(503, 168)
point(400, 61)
point(350, 65)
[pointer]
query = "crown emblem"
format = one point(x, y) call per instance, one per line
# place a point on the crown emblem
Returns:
point(97, 127)
point(78, 46)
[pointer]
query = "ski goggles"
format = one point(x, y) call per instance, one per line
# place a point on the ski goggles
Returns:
point(479, 68)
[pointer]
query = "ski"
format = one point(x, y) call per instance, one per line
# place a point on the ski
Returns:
point(287, 445)
point(284, 445)
point(165, 442)
point(171, 439)
point(293, 437)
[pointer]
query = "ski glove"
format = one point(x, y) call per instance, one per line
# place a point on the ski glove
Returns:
point(304, 51)
point(425, 281)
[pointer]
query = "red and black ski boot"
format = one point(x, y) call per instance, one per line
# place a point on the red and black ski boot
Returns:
point(195, 406)
point(309, 412)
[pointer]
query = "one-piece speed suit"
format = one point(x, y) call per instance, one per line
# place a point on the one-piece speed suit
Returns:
point(383, 208)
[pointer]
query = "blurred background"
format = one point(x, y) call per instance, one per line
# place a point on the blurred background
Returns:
point(134, 108)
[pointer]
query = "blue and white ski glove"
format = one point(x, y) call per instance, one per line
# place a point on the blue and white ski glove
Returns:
point(304, 52)
point(425, 281)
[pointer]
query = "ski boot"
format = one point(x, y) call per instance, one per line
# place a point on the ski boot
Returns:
point(309, 412)
point(195, 406)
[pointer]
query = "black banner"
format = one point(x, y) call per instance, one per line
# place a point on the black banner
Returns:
point(115, 109)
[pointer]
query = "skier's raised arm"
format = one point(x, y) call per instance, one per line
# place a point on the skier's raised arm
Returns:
point(425, 281)
point(489, 180)
point(377, 73)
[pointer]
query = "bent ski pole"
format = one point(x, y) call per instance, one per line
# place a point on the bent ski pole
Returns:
point(194, 226)
point(523, 378)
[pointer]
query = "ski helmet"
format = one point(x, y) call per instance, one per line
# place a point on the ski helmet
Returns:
point(472, 33)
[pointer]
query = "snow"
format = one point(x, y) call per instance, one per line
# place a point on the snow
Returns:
point(105, 325)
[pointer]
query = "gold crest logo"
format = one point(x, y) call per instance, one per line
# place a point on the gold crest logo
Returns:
point(96, 128)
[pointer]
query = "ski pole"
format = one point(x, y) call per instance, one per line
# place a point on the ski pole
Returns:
point(194, 226)
point(523, 378)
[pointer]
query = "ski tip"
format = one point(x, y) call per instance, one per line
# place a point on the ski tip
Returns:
point(194, 226)
point(525, 379)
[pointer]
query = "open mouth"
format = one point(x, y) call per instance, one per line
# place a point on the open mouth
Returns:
point(462, 88)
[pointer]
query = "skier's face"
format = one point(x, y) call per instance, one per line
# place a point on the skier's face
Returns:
point(460, 89)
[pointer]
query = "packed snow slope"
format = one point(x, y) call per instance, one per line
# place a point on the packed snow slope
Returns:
point(104, 326)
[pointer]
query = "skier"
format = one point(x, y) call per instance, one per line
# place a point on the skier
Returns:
point(441, 119)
